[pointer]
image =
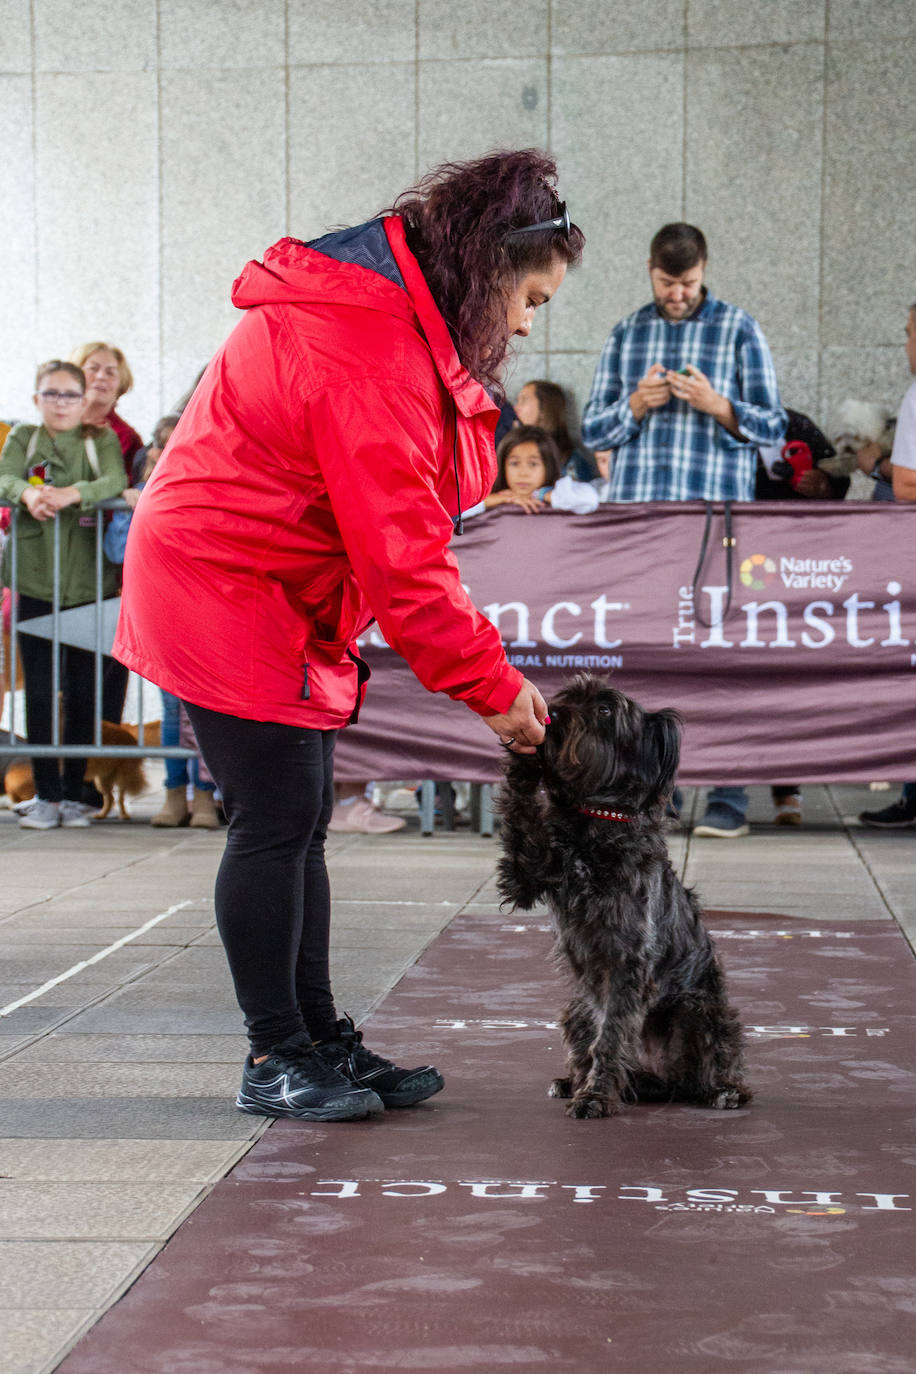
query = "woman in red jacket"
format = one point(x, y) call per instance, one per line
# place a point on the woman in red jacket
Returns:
point(312, 483)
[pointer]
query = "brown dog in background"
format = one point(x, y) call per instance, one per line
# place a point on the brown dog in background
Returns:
point(116, 778)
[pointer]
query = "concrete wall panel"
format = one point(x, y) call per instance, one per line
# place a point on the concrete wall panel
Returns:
point(869, 248)
point(351, 145)
point(351, 31)
point(496, 28)
point(466, 109)
point(15, 36)
point(753, 181)
point(723, 24)
point(97, 205)
point(17, 235)
point(223, 34)
point(615, 26)
point(874, 19)
point(618, 136)
point(223, 202)
point(115, 38)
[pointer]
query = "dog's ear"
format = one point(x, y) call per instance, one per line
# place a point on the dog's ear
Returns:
point(662, 750)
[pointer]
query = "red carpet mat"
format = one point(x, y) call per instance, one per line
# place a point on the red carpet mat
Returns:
point(485, 1230)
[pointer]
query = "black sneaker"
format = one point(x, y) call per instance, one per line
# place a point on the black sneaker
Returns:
point(396, 1087)
point(296, 1081)
point(895, 817)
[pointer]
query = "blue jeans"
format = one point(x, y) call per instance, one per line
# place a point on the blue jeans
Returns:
point(908, 796)
point(735, 798)
point(178, 771)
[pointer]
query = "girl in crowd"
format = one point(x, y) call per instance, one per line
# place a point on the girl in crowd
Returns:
point(544, 404)
point(529, 475)
point(312, 482)
point(58, 468)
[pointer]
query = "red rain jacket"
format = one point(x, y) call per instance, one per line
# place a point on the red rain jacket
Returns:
point(310, 485)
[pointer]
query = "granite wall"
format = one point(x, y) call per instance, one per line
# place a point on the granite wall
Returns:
point(146, 154)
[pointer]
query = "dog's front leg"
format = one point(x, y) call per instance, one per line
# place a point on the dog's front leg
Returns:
point(523, 867)
point(578, 1029)
point(604, 1087)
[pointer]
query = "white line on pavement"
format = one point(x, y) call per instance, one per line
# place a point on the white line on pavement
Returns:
point(84, 963)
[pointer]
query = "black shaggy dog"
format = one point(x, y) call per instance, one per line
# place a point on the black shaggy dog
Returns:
point(582, 830)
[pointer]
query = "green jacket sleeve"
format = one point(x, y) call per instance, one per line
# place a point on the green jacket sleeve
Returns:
point(112, 479)
point(12, 464)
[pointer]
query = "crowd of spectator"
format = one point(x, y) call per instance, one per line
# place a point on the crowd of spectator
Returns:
point(684, 406)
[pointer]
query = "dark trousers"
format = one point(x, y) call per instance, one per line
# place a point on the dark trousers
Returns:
point(77, 687)
point(273, 902)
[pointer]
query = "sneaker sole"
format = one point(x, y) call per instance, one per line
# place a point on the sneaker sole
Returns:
point(344, 1110)
point(712, 833)
point(888, 825)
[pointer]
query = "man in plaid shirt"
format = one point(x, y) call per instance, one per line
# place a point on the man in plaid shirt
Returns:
point(685, 390)
point(685, 393)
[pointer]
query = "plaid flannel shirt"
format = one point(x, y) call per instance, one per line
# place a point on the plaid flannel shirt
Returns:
point(677, 453)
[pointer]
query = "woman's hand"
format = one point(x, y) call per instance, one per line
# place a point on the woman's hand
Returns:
point(58, 498)
point(131, 496)
point(521, 729)
point(36, 503)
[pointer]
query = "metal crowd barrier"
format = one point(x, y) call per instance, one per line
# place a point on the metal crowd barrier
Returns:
point(90, 626)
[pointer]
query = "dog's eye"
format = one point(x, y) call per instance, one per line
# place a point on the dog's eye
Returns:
point(604, 709)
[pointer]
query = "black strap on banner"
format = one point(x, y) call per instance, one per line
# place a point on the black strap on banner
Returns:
point(728, 543)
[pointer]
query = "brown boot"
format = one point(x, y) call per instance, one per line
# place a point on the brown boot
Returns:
point(204, 815)
point(175, 810)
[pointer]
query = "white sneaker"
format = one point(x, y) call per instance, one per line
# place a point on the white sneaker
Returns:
point(43, 815)
point(74, 815)
point(360, 817)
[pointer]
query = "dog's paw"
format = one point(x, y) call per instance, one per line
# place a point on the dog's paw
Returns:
point(560, 1087)
point(591, 1106)
point(730, 1097)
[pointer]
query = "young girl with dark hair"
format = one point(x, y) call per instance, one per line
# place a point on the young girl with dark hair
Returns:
point(529, 474)
point(312, 482)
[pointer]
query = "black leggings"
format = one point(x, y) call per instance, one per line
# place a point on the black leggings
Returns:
point(273, 901)
point(77, 687)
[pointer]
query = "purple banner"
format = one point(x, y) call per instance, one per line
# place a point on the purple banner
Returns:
point(810, 676)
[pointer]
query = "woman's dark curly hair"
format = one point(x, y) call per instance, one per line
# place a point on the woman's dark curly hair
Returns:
point(457, 220)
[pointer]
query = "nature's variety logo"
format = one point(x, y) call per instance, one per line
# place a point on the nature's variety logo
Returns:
point(757, 571)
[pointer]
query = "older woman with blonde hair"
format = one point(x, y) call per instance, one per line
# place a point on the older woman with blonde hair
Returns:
point(108, 378)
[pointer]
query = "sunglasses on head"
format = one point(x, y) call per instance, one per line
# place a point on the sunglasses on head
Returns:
point(559, 222)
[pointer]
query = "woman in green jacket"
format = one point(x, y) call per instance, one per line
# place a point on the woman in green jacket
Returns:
point(57, 471)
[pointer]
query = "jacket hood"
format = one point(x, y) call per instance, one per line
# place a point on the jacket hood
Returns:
point(369, 266)
point(296, 273)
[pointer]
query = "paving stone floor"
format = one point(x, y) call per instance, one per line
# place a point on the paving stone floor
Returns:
point(116, 1115)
